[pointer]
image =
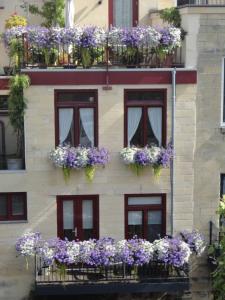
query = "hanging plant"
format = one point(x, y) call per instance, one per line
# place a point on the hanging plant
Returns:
point(139, 158)
point(78, 158)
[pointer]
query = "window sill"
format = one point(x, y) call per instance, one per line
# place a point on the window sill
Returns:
point(12, 171)
point(13, 222)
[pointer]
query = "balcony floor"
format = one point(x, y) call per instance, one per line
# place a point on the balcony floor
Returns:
point(169, 285)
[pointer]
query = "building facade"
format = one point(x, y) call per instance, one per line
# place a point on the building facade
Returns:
point(117, 203)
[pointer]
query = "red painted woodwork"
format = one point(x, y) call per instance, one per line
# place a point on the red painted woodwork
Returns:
point(114, 77)
point(135, 13)
point(145, 208)
point(10, 216)
point(4, 83)
point(145, 105)
point(78, 199)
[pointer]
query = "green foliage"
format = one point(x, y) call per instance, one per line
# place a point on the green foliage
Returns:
point(171, 16)
point(17, 105)
point(219, 274)
point(221, 209)
point(16, 52)
point(52, 11)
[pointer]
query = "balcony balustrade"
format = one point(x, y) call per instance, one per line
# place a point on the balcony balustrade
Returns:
point(201, 3)
point(117, 278)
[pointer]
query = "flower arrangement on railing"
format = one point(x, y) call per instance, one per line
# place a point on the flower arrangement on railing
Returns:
point(139, 158)
point(77, 158)
point(195, 240)
point(86, 44)
point(173, 252)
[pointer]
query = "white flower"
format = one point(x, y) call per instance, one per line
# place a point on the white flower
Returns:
point(127, 155)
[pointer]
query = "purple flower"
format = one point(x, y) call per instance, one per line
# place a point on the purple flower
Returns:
point(98, 156)
point(195, 240)
point(28, 244)
point(141, 157)
point(165, 156)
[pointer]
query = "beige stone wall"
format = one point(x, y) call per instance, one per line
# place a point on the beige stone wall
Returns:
point(43, 182)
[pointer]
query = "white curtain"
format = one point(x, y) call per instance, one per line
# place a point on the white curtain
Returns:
point(87, 214)
point(155, 119)
point(154, 217)
point(123, 13)
point(69, 13)
point(87, 119)
point(134, 117)
point(134, 217)
point(65, 122)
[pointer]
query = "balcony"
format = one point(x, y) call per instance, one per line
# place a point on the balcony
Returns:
point(118, 278)
point(208, 3)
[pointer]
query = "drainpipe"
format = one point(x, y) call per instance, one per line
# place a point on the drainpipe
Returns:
point(172, 170)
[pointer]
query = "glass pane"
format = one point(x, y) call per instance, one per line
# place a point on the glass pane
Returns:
point(145, 95)
point(123, 13)
point(135, 128)
point(68, 218)
point(3, 102)
point(76, 96)
point(87, 214)
point(86, 127)
point(154, 126)
point(222, 185)
point(144, 200)
point(66, 126)
point(154, 225)
point(87, 219)
point(17, 205)
point(3, 205)
point(135, 221)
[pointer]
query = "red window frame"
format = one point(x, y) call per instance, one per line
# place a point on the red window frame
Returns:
point(76, 106)
point(78, 198)
point(145, 105)
point(10, 216)
point(145, 209)
point(135, 12)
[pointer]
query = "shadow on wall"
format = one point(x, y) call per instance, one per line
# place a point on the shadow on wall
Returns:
point(83, 13)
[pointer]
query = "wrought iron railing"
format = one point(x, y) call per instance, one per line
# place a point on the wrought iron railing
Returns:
point(114, 273)
point(201, 3)
point(70, 57)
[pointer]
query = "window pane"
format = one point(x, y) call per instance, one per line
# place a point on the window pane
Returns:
point(135, 126)
point(135, 223)
point(17, 205)
point(86, 127)
point(144, 200)
point(123, 13)
point(3, 205)
point(154, 225)
point(145, 95)
point(68, 217)
point(154, 126)
point(66, 126)
point(222, 185)
point(87, 219)
point(3, 103)
point(76, 96)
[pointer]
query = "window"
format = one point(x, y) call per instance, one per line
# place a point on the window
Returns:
point(145, 216)
point(78, 217)
point(13, 206)
point(124, 13)
point(8, 140)
point(145, 117)
point(76, 117)
point(222, 185)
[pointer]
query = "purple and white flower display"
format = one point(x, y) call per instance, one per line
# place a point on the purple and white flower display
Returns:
point(77, 158)
point(27, 244)
point(173, 252)
point(195, 240)
point(138, 158)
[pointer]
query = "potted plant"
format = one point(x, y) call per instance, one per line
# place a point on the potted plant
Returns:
point(17, 106)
